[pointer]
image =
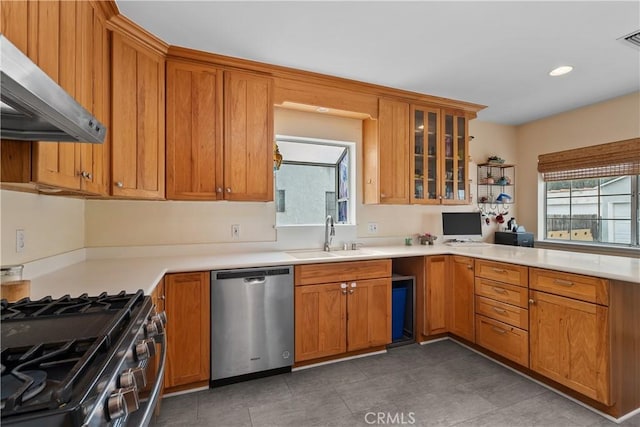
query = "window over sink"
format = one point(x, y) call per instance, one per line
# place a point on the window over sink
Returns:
point(316, 179)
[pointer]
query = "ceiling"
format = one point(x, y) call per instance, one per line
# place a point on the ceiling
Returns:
point(497, 54)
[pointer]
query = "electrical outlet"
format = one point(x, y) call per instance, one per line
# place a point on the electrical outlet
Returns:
point(20, 242)
point(235, 231)
point(373, 228)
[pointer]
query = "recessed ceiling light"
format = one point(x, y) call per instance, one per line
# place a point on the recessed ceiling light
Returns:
point(322, 110)
point(561, 70)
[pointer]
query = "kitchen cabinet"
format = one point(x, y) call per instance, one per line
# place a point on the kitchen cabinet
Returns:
point(462, 313)
point(69, 41)
point(194, 131)
point(426, 177)
point(187, 305)
point(569, 336)
point(436, 289)
point(386, 154)
point(216, 153)
point(350, 313)
point(455, 154)
point(137, 119)
point(248, 136)
point(502, 316)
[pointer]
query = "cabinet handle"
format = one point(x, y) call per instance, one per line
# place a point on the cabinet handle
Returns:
point(351, 291)
point(354, 285)
point(532, 301)
point(563, 282)
point(228, 189)
point(470, 267)
point(162, 297)
point(119, 184)
point(498, 330)
point(499, 290)
point(499, 270)
point(382, 195)
point(343, 286)
point(499, 310)
point(89, 175)
point(218, 189)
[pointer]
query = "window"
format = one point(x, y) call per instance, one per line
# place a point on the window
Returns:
point(592, 194)
point(597, 210)
point(280, 198)
point(317, 178)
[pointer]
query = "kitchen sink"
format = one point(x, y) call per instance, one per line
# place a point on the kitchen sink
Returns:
point(312, 254)
point(356, 252)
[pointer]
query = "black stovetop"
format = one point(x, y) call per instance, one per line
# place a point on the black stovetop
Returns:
point(53, 350)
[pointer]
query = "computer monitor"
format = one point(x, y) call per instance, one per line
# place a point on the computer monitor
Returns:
point(461, 226)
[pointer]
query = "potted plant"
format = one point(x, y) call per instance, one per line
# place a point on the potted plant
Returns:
point(489, 179)
point(426, 238)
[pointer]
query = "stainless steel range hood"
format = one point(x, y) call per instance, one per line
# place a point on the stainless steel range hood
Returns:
point(36, 108)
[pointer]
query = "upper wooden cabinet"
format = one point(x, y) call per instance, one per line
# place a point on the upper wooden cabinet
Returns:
point(415, 154)
point(194, 131)
point(69, 41)
point(216, 153)
point(386, 154)
point(248, 136)
point(137, 127)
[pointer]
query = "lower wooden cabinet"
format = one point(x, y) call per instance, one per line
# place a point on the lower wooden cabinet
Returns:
point(503, 339)
point(436, 284)
point(187, 306)
point(461, 307)
point(339, 317)
point(570, 343)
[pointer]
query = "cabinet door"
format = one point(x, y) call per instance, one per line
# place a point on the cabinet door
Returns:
point(320, 320)
point(194, 132)
point(462, 301)
point(393, 152)
point(53, 46)
point(455, 168)
point(368, 313)
point(187, 306)
point(14, 22)
point(248, 137)
point(436, 279)
point(137, 121)
point(425, 151)
point(570, 343)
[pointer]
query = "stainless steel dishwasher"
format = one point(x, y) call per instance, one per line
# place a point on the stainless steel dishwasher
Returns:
point(251, 322)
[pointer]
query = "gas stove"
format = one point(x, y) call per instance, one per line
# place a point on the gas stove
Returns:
point(80, 361)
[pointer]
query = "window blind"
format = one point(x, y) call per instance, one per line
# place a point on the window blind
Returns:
point(596, 161)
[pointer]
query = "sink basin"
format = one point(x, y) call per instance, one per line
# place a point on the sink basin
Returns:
point(356, 252)
point(311, 254)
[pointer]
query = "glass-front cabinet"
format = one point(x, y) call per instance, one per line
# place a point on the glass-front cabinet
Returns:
point(425, 179)
point(440, 172)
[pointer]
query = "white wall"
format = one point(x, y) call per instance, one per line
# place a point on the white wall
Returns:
point(613, 120)
point(52, 225)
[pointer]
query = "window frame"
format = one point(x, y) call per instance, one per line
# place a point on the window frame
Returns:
point(634, 193)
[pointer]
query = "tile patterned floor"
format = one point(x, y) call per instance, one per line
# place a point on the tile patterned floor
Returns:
point(440, 384)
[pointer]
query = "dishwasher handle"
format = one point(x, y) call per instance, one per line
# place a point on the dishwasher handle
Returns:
point(255, 280)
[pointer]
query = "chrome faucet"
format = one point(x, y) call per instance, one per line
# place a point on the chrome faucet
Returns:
point(328, 235)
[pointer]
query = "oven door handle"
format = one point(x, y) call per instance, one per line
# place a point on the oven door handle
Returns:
point(154, 395)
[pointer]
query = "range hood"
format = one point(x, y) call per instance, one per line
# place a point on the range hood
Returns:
point(36, 108)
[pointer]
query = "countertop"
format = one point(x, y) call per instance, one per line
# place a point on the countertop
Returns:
point(94, 276)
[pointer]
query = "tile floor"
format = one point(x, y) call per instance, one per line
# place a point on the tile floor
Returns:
point(440, 384)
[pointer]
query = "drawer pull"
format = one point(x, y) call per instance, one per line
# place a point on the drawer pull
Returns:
point(562, 282)
point(499, 270)
point(499, 310)
point(499, 290)
point(498, 330)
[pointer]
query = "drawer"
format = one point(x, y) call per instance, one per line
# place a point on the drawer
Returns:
point(507, 313)
point(309, 274)
point(503, 339)
point(510, 294)
point(585, 288)
point(507, 273)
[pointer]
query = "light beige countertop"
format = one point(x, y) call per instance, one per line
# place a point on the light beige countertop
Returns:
point(94, 276)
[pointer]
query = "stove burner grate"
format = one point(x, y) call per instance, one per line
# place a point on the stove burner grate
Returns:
point(27, 384)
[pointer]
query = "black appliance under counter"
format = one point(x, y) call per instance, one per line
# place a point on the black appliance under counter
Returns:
point(514, 239)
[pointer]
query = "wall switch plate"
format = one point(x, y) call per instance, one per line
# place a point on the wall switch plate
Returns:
point(235, 231)
point(372, 228)
point(20, 242)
